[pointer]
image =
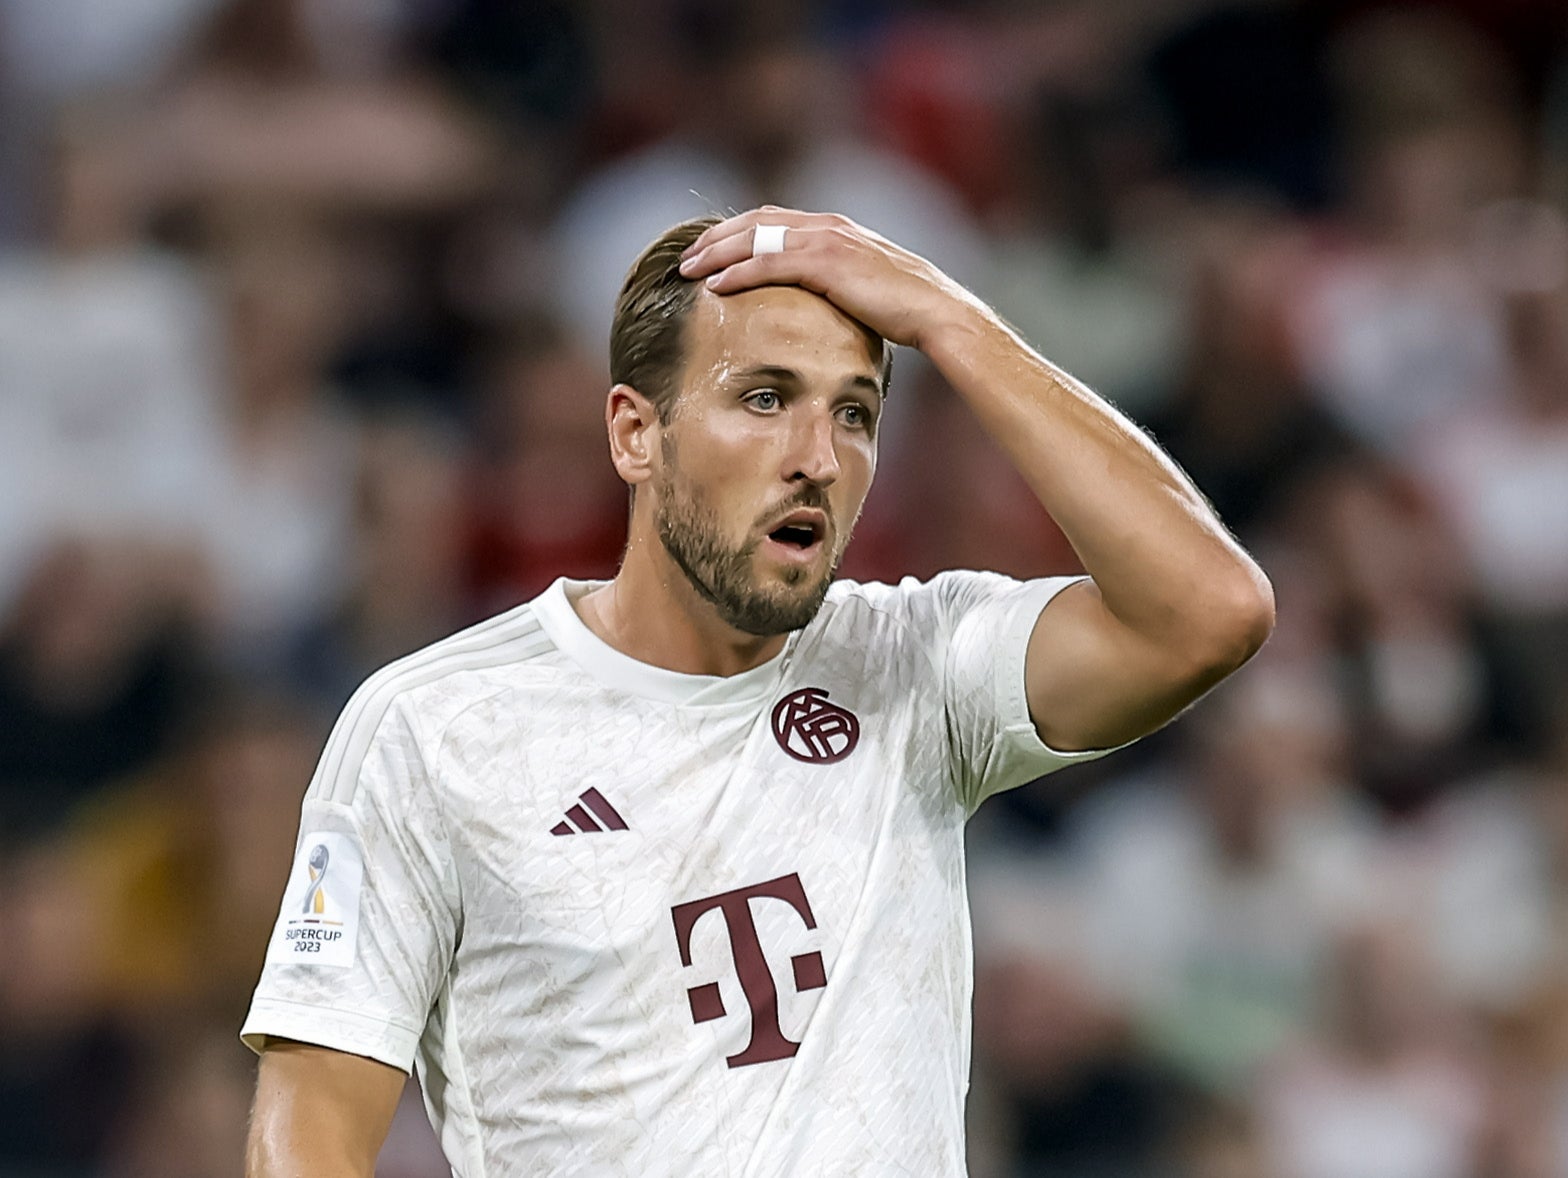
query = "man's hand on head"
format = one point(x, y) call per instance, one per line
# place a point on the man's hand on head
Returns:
point(897, 294)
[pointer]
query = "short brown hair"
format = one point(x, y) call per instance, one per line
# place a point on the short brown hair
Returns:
point(648, 334)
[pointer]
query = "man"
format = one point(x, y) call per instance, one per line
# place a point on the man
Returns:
point(665, 875)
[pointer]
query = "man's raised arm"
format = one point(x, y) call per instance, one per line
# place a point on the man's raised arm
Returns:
point(319, 1113)
point(1174, 604)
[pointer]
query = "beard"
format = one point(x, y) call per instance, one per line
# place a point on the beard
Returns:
point(724, 574)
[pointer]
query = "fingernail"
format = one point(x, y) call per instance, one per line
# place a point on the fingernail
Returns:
point(686, 264)
point(713, 280)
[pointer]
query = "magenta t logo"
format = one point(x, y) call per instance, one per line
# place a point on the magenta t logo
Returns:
point(768, 1041)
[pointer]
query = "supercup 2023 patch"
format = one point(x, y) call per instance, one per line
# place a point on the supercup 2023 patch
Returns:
point(320, 918)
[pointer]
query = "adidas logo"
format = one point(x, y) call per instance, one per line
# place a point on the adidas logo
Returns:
point(578, 820)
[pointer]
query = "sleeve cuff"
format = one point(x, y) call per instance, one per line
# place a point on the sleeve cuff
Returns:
point(1018, 730)
point(340, 1030)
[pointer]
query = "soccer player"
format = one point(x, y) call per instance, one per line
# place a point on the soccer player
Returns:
point(665, 875)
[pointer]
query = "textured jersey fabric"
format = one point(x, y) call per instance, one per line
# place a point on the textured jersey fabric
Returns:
point(627, 921)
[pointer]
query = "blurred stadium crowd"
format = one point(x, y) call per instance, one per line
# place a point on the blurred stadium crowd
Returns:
point(303, 308)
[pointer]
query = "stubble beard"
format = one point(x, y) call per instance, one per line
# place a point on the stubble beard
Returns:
point(723, 575)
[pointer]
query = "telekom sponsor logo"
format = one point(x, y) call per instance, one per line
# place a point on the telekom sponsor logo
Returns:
point(809, 728)
point(768, 1041)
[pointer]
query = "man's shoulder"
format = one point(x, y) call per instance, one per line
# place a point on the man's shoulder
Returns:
point(399, 714)
point(440, 680)
point(913, 610)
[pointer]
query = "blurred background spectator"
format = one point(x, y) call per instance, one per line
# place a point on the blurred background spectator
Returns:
point(303, 307)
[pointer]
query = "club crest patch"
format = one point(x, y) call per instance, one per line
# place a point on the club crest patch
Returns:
point(320, 919)
point(810, 728)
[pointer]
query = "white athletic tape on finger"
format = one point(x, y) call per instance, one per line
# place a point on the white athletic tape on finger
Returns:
point(767, 239)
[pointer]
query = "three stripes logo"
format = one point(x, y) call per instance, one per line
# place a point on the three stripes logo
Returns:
point(579, 820)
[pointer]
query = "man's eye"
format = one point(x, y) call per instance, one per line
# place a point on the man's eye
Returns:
point(856, 415)
point(764, 399)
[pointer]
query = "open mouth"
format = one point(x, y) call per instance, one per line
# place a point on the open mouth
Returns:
point(800, 533)
point(795, 535)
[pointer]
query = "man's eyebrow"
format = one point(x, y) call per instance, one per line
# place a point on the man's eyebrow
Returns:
point(789, 376)
point(769, 372)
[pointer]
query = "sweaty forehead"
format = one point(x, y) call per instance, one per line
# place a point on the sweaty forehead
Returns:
point(779, 326)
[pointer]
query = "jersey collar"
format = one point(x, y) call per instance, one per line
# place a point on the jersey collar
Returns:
point(573, 638)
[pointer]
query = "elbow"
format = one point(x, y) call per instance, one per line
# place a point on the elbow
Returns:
point(1239, 619)
point(1245, 618)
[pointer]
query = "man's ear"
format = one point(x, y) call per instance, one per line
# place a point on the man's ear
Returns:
point(632, 421)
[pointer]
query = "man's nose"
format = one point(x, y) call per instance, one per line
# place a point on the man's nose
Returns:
point(813, 456)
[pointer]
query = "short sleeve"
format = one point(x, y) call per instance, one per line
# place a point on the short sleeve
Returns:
point(984, 621)
point(369, 920)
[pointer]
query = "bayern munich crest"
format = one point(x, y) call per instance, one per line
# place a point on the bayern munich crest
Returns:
point(811, 729)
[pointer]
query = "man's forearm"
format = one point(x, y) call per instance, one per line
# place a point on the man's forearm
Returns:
point(1164, 563)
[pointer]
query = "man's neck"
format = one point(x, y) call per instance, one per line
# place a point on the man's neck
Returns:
point(651, 612)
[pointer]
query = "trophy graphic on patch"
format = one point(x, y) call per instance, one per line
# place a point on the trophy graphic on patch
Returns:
point(315, 902)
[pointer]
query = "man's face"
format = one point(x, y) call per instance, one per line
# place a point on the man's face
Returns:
point(768, 454)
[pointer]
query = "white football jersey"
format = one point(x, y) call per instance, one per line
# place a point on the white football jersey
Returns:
point(627, 921)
